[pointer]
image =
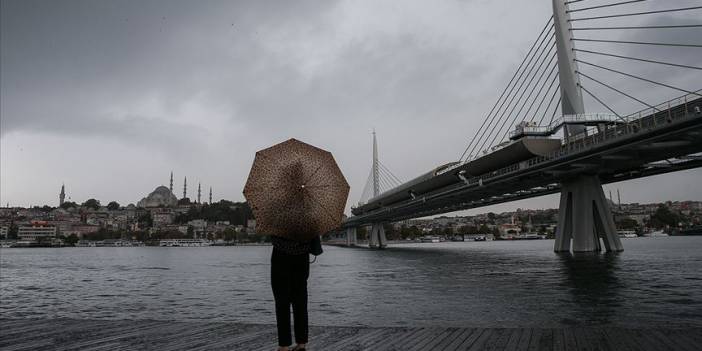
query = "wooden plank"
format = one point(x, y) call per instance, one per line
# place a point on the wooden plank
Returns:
point(558, 340)
point(463, 336)
point(103, 335)
point(442, 345)
point(535, 337)
point(436, 336)
point(476, 341)
point(350, 342)
point(569, 342)
point(516, 341)
point(479, 342)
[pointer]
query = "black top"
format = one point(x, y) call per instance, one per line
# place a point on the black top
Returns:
point(289, 246)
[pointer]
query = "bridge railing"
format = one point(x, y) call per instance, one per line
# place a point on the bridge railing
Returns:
point(650, 118)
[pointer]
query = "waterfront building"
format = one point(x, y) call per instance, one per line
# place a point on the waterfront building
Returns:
point(4, 230)
point(199, 227)
point(161, 217)
point(37, 230)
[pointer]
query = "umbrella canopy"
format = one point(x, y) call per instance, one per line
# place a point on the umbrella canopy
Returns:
point(296, 191)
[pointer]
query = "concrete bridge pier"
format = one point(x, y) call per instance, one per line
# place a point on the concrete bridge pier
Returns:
point(584, 216)
point(351, 236)
point(377, 236)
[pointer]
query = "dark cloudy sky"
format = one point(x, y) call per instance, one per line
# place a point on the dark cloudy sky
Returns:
point(109, 96)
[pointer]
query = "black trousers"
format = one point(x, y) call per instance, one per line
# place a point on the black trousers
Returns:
point(289, 275)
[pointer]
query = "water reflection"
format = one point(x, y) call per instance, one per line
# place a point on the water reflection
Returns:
point(592, 280)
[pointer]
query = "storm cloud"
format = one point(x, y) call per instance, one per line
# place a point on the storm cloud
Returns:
point(109, 97)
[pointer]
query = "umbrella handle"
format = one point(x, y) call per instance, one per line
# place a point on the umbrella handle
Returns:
point(314, 260)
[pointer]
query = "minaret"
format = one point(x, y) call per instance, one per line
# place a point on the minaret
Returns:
point(185, 187)
point(198, 192)
point(62, 195)
point(210, 195)
point(171, 181)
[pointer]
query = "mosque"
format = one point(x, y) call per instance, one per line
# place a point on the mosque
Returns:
point(164, 197)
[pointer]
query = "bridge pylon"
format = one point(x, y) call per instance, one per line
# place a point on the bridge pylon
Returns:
point(377, 238)
point(584, 216)
point(351, 239)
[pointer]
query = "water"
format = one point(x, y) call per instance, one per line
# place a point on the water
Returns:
point(656, 281)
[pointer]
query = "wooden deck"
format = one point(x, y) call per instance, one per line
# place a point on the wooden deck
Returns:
point(72, 334)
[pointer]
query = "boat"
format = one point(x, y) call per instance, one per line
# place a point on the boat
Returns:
point(430, 239)
point(697, 230)
point(480, 238)
point(655, 234)
point(184, 242)
point(627, 234)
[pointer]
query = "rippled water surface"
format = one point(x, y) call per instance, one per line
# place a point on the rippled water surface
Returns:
point(655, 281)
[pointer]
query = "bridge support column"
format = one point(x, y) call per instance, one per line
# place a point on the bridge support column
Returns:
point(584, 216)
point(377, 236)
point(351, 236)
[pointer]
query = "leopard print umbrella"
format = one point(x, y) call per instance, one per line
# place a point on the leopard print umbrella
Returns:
point(296, 191)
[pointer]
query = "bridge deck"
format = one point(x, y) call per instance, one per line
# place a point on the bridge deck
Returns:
point(71, 334)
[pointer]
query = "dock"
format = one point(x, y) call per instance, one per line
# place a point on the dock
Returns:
point(90, 334)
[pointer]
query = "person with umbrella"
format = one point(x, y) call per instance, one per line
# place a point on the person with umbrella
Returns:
point(297, 193)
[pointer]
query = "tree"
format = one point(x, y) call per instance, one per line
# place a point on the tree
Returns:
point(229, 234)
point(664, 217)
point(92, 203)
point(12, 232)
point(70, 240)
point(113, 206)
point(69, 204)
point(627, 224)
point(145, 220)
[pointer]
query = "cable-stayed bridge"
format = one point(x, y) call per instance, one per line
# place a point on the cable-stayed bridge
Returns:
point(538, 138)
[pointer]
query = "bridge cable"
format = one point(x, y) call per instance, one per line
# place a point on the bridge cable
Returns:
point(544, 96)
point(639, 43)
point(508, 85)
point(635, 14)
point(393, 176)
point(638, 59)
point(511, 99)
point(638, 27)
point(543, 85)
point(601, 102)
point(637, 77)
point(615, 89)
point(389, 178)
point(601, 6)
point(573, 1)
point(555, 65)
point(558, 104)
point(529, 58)
point(548, 107)
point(499, 131)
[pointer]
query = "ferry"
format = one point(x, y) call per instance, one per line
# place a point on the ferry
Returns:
point(655, 234)
point(184, 242)
point(627, 234)
point(430, 239)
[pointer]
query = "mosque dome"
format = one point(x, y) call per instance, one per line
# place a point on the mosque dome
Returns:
point(160, 197)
